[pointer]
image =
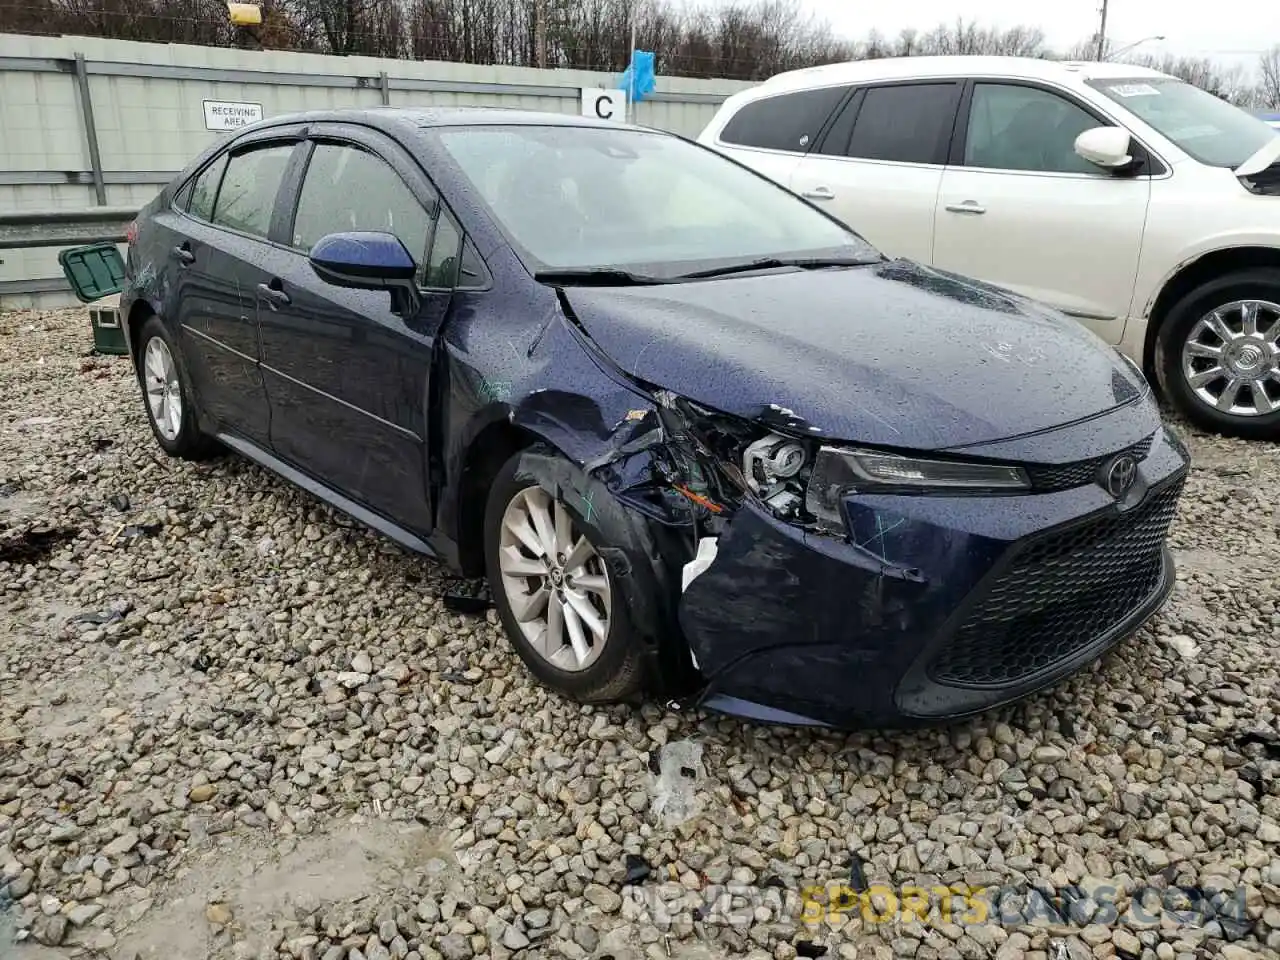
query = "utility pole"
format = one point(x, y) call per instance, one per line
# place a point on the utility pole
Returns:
point(540, 31)
point(631, 66)
point(1102, 34)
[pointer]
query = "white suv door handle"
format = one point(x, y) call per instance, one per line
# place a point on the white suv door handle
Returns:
point(969, 206)
point(819, 193)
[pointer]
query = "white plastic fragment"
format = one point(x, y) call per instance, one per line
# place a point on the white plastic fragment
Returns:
point(706, 555)
point(675, 789)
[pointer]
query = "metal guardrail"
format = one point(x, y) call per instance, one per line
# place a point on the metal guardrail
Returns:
point(25, 229)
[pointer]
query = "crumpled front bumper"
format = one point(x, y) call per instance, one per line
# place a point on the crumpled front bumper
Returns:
point(935, 607)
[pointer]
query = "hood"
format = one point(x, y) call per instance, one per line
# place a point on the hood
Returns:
point(892, 354)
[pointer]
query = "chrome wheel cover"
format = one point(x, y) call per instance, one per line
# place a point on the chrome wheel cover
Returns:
point(555, 582)
point(164, 393)
point(1231, 358)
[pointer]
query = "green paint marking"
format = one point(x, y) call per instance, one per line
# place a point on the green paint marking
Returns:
point(589, 505)
point(881, 531)
point(496, 389)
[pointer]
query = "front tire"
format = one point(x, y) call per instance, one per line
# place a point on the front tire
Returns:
point(1218, 355)
point(167, 396)
point(555, 593)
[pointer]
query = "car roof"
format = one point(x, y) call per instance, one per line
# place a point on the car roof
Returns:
point(894, 68)
point(414, 119)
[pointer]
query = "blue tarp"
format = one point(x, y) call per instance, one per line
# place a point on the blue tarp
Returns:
point(638, 79)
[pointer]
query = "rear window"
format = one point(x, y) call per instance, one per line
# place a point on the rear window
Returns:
point(247, 196)
point(790, 121)
point(908, 123)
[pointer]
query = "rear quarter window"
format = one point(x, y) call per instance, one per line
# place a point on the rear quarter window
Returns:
point(789, 121)
point(204, 190)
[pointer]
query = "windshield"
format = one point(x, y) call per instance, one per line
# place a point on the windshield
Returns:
point(1207, 128)
point(595, 198)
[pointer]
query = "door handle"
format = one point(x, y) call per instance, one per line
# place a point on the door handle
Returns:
point(274, 295)
point(819, 193)
point(969, 206)
point(182, 253)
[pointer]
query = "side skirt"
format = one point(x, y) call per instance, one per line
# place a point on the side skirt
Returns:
point(409, 541)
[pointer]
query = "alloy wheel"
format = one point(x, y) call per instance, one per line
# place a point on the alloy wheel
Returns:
point(1231, 358)
point(164, 392)
point(555, 582)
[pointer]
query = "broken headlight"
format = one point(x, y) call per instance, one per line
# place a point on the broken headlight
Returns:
point(771, 467)
point(837, 472)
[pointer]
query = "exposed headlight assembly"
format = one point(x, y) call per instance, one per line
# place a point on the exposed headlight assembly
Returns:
point(770, 459)
point(837, 472)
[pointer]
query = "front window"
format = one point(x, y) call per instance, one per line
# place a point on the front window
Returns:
point(1207, 128)
point(584, 198)
point(347, 189)
point(1016, 127)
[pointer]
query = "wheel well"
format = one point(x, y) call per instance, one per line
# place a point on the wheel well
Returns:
point(1197, 272)
point(494, 445)
point(139, 315)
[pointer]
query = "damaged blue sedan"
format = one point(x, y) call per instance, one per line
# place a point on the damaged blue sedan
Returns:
point(703, 440)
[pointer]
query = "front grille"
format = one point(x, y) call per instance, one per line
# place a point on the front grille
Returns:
point(1067, 475)
point(1059, 594)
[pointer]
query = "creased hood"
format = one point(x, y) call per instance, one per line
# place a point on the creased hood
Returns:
point(892, 354)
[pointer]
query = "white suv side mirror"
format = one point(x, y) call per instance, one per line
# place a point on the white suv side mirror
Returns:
point(1105, 146)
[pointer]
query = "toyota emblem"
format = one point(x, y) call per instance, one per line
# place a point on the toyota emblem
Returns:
point(1119, 474)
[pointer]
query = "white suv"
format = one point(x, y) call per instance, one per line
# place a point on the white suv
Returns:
point(1140, 205)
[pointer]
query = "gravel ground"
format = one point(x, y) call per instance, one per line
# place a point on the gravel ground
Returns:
point(234, 724)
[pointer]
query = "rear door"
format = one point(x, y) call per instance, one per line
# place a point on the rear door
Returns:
point(348, 378)
point(214, 249)
point(772, 134)
point(879, 165)
point(1019, 208)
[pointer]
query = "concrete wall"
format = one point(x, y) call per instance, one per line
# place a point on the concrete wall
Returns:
point(147, 109)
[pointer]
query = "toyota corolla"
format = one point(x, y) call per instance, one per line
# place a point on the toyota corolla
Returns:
point(703, 440)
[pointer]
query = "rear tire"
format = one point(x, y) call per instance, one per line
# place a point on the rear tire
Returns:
point(1217, 355)
point(554, 590)
point(167, 396)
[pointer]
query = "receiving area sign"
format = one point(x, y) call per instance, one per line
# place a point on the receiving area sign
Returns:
point(229, 115)
point(604, 104)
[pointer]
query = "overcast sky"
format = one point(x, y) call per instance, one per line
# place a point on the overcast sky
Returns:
point(1227, 30)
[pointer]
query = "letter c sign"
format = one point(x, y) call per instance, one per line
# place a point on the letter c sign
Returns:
point(603, 104)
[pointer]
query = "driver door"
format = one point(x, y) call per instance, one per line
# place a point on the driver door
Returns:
point(1018, 208)
point(347, 377)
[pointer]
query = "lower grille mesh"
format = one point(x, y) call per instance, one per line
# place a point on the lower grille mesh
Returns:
point(1060, 594)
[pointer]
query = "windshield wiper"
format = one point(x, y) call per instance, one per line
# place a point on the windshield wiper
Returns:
point(596, 276)
point(773, 263)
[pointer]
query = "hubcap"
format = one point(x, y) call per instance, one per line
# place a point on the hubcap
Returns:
point(557, 585)
point(164, 394)
point(1231, 359)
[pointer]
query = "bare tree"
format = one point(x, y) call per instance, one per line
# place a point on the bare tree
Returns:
point(740, 39)
point(1268, 94)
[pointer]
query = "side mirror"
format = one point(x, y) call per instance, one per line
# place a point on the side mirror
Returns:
point(1106, 147)
point(368, 261)
point(365, 261)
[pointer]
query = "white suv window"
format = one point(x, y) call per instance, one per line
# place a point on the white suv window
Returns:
point(1015, 127)
point(789, 121)
point(904, 123)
